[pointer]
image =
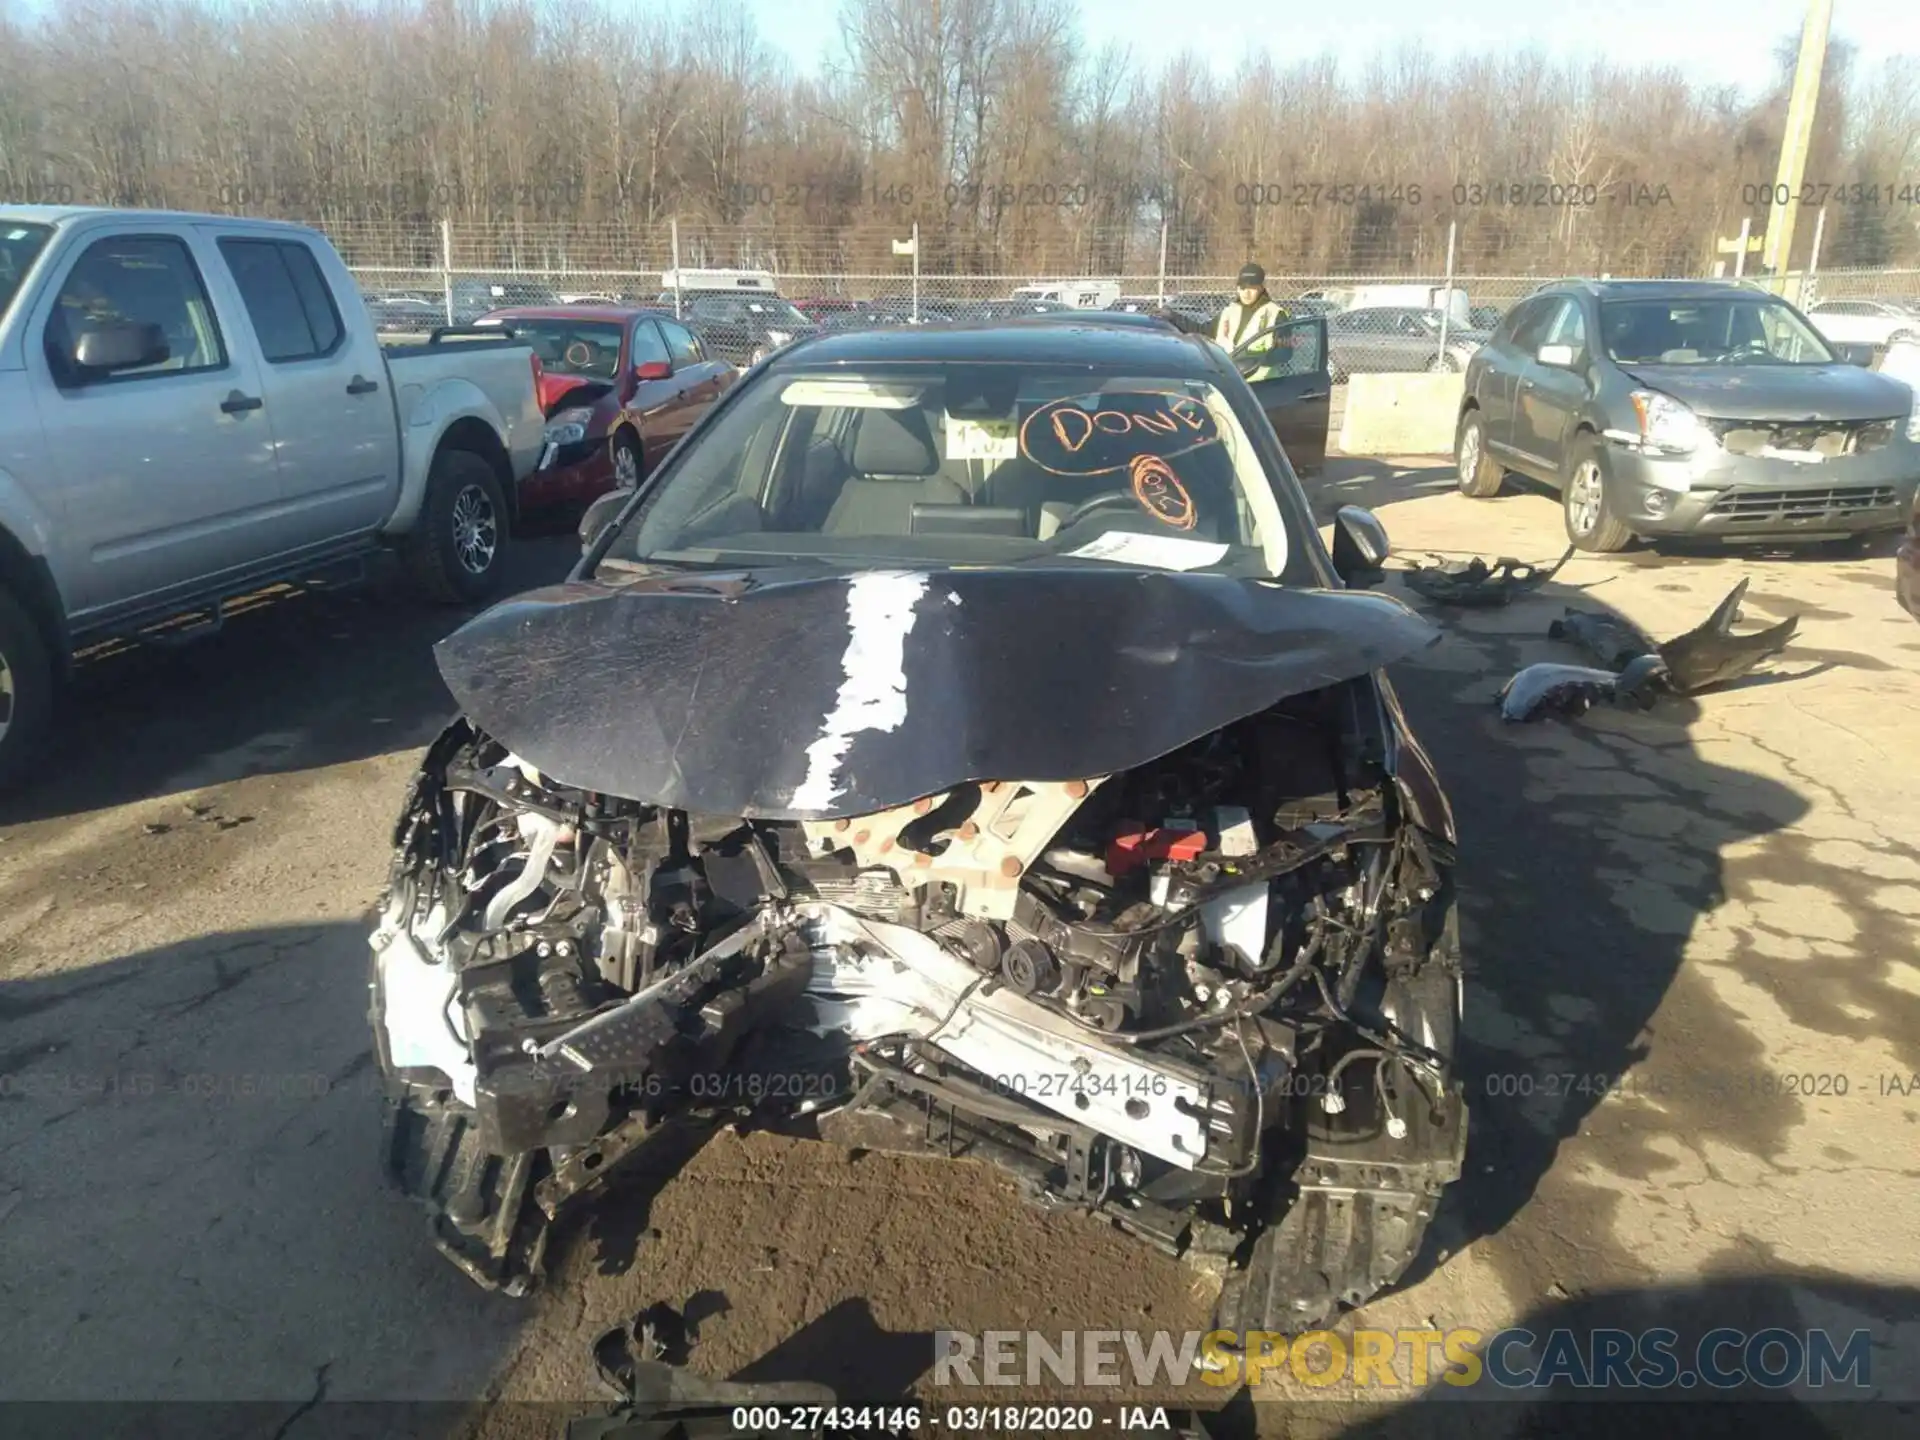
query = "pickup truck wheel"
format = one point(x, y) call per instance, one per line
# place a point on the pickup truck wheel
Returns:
point(26, 688)
point(455, 551)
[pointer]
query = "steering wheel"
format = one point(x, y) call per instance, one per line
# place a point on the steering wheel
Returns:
point(1102, 501)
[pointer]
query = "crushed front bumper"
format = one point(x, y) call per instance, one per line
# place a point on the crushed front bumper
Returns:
point(1714, 494)
point(568, 475)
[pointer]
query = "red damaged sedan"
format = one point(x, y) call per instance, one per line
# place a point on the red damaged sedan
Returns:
point(619, 386)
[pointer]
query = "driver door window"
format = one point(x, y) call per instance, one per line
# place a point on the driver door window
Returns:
point(1569, 327)
point(1531, 333)
point(683, 346)
point(1293, 347)
point(647, 347)
point(142, 279)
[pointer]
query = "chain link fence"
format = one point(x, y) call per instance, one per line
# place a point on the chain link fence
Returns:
point(1419, 302)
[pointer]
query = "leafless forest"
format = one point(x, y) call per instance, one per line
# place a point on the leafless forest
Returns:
point(988, 122)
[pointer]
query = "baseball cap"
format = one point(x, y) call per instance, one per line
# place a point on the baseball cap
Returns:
point(1252, 274)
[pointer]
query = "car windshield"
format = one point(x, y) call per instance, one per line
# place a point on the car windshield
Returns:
point(20, 245)
point(775, 312)
point(1736, 329)
point(587, 348)
point(968, 463)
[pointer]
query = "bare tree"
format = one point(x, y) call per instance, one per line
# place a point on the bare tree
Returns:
point(565, 135)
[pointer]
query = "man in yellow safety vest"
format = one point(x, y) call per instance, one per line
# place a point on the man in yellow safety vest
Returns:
point(1250, 317)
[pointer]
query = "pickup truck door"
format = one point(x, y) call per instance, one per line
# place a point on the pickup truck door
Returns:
point(1296, 388)
point(325, 384)
point(166, 471)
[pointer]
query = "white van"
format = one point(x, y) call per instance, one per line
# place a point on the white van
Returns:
point(710, 280)
point(1081, 294)
point(1420, 297)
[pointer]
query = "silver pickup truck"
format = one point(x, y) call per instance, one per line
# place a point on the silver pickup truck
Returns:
point(195, 406)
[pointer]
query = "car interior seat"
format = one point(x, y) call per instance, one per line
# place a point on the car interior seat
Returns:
point(895, 466)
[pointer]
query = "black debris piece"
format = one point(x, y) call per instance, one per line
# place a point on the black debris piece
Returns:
point(1613, 642)
point(1477, 584)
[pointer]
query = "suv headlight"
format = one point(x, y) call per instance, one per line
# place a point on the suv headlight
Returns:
point(1666, 424)
point(569, 427)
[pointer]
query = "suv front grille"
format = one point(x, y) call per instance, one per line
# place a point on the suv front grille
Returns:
point(1752, 506)
point(1828, 439)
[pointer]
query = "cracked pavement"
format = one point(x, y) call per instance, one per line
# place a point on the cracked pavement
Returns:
point(1693, 1028)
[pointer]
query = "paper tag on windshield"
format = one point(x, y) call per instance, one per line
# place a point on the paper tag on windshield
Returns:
point(981, 439)
point(1157, 552)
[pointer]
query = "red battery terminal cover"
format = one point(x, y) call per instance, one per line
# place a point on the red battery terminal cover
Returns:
point(1137, 844)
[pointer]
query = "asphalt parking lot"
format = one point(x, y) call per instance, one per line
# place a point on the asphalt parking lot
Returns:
point(1693, 1015)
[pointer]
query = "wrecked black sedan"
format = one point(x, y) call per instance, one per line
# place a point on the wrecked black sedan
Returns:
point(964, 741)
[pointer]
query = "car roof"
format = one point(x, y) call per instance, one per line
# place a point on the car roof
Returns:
point(67, 214)
point(1152, 349)
point(1653, 289)
point(1130, 319)
point(613, 313)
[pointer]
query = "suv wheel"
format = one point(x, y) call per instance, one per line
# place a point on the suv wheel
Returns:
point(1591, 524)
point(26, 688)
point(1480, 475)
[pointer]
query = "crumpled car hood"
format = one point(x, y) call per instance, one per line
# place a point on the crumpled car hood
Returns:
point(1836, 392)
point(787, 694)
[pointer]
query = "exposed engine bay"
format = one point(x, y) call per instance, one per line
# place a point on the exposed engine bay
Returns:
point(1212, 998)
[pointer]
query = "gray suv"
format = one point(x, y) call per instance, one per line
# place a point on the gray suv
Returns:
point(1688, 407)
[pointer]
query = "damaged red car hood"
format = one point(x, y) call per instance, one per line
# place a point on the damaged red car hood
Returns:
point(552, 389)
point(803, 695)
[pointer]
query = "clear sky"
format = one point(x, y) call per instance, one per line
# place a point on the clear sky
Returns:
point(1716, 41)
point(1719, 41)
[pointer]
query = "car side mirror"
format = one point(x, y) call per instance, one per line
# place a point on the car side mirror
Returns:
point(600, 514)
point(653, 370)
point(1360, 547)
point(1558, 356)
point(120, 345)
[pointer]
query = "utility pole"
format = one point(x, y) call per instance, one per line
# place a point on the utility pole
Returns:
point(1794, 145)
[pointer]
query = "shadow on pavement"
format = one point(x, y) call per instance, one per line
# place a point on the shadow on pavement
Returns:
point(1877, 1400)
point(294, 682)
point(191, 1193)
point(1589, 850)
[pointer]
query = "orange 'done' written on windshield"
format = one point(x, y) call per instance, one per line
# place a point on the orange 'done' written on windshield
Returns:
point(1160, 492)
point(1065, 438)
